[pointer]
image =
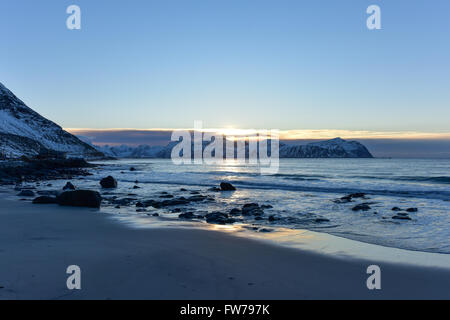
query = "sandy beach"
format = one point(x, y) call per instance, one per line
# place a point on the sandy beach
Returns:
point(38, 243)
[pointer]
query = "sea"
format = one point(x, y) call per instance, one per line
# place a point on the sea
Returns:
point(304, 194)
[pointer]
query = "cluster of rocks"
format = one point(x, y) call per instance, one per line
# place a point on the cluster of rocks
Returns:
point(365, 206)
point(36, 170)
point(175, 203)
point(351, 197)
point(72, 197)
point(403, 214)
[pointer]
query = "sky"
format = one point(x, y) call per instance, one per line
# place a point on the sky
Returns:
point(263, 64)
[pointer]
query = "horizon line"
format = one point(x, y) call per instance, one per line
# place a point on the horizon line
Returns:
point(290, 134)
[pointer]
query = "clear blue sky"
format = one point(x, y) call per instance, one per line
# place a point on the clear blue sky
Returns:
point(243, 63)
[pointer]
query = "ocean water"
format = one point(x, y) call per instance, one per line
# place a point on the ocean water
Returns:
point(304, 190)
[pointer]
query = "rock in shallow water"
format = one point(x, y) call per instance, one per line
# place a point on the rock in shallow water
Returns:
point(108, 183)
point(361, 207)
point(80, 198)
point(251, 208)
point(226, 186)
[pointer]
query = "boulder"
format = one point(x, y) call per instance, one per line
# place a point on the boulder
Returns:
point(187, 215)
point(80, 198)
point(226, 186)
point(235, 212)
point(251, 208)
point(108, 182)
point(219, 218)
point(26, 193)
point(69, 186)
point(412, 210)
point(45, 200)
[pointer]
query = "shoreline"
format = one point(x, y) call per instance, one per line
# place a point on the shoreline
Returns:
point(38, 243)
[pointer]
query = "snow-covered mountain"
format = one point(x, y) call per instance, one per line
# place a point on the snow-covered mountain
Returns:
point(335, 148)
point(25, 132)
point(142, 151)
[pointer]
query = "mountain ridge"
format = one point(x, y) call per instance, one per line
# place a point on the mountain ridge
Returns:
point(23, 131)
point(334, 148)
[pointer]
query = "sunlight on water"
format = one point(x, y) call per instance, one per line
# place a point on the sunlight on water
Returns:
point(303, 195)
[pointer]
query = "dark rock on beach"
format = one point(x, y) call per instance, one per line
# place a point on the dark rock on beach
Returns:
point(80, 198)
point(412, 210)
point(187, 216)
point(396, 209)
point(252, 209)
point(219, 218)
point(226, 186)
point(175, 201)
point(235, 212)
point(108, 183)
point(69, 186)
point(45, 200)
point(26, 193)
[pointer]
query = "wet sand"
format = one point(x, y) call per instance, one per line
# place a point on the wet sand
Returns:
point(38, 243)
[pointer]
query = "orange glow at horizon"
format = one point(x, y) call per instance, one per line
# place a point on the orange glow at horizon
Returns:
point(324, 134)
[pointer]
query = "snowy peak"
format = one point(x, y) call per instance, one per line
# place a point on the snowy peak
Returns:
point(334, 148)
point(124, 151)
point(25, 132)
